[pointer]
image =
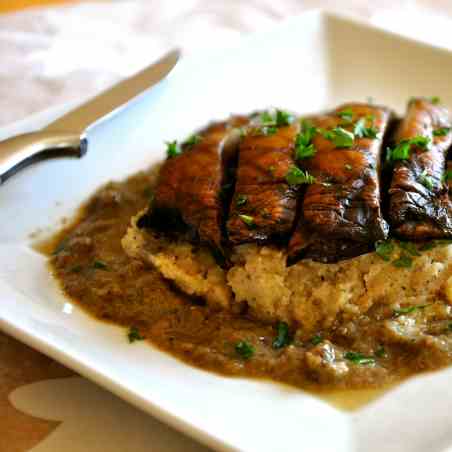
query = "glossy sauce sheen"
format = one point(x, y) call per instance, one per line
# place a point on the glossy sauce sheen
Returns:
point(94, 271)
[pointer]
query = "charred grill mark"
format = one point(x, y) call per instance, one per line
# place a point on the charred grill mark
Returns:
point(419, 206)
point(264, 205)
point(341, 212)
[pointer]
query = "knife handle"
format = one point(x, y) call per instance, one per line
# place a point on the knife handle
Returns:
point(23, 150)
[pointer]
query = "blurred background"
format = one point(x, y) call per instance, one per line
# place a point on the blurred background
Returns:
point(54, 51)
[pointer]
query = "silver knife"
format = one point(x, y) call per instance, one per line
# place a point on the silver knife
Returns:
point(67, 136)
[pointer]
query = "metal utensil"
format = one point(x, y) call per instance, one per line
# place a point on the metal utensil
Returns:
point(67, 136)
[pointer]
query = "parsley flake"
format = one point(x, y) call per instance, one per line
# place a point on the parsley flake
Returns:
point(134, 334)
point(359, 358)
point(346, 115)
point(404, 261)
point(410, 248)
point(100, 265)
point(244, 350)
point(316, 340)
point(384, 249)
point(172, 149)
point(447, 175)
point(426, 180)
point(441, 132)
point(303, 145)
point(420, 141)
point(76, 269)
point(296, 176)
point(408, 309)
point(304, 152)
point(435, 100)
point(380, 352)
point(192, 140)
point(266, 118)
point(340, 137)
point(283, 118)
point(248, 220)
point(402, 150)
point(361, 131)
point(241, 200)
point(283, 337)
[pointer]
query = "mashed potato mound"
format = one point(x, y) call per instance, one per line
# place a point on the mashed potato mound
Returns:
point(309, 294)
point(191, 268)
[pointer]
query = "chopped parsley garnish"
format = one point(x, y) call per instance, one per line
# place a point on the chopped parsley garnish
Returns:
point(283, 118)
point(380, 352)
point(359, 358)
point(426, 180)
point(303, 145)
point(410, 248)
point(100, 265)
point(134, 334)
point(361, 131)
point(384, 249)
point(346, 115)
point(441, 132)
point(316, 340)
point(296, 176)
point(408, 309)
point(348, 167)
point(402, 150)
point(76, 269)
point(172, 149)
point(248, 220)
point(304, 152)
point(283, 337)
point(447, 175)
point(244, 350)
point(192, 140)
point(340, 137)
point(266, 130)
point(435, 100)
point(241, 200)
point(404, 261)
point(266, 118)
point(420, 141)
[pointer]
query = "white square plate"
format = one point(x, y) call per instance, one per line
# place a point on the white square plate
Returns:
point(309, 63)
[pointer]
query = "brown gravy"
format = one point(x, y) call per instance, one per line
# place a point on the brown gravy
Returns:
point(88, 261)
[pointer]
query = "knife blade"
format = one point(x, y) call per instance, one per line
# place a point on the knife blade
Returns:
point(67, 136)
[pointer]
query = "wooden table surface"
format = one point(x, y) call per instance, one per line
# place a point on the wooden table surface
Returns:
point(14, 5)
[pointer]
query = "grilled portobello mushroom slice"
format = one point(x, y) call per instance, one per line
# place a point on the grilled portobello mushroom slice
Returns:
point(263, 207)
point(419, 203)
point(341, 215)
point(189, 196)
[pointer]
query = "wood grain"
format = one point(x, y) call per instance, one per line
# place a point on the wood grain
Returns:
point(21, 365)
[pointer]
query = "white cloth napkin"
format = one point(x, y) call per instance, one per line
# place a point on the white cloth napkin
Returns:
point(58, 54)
